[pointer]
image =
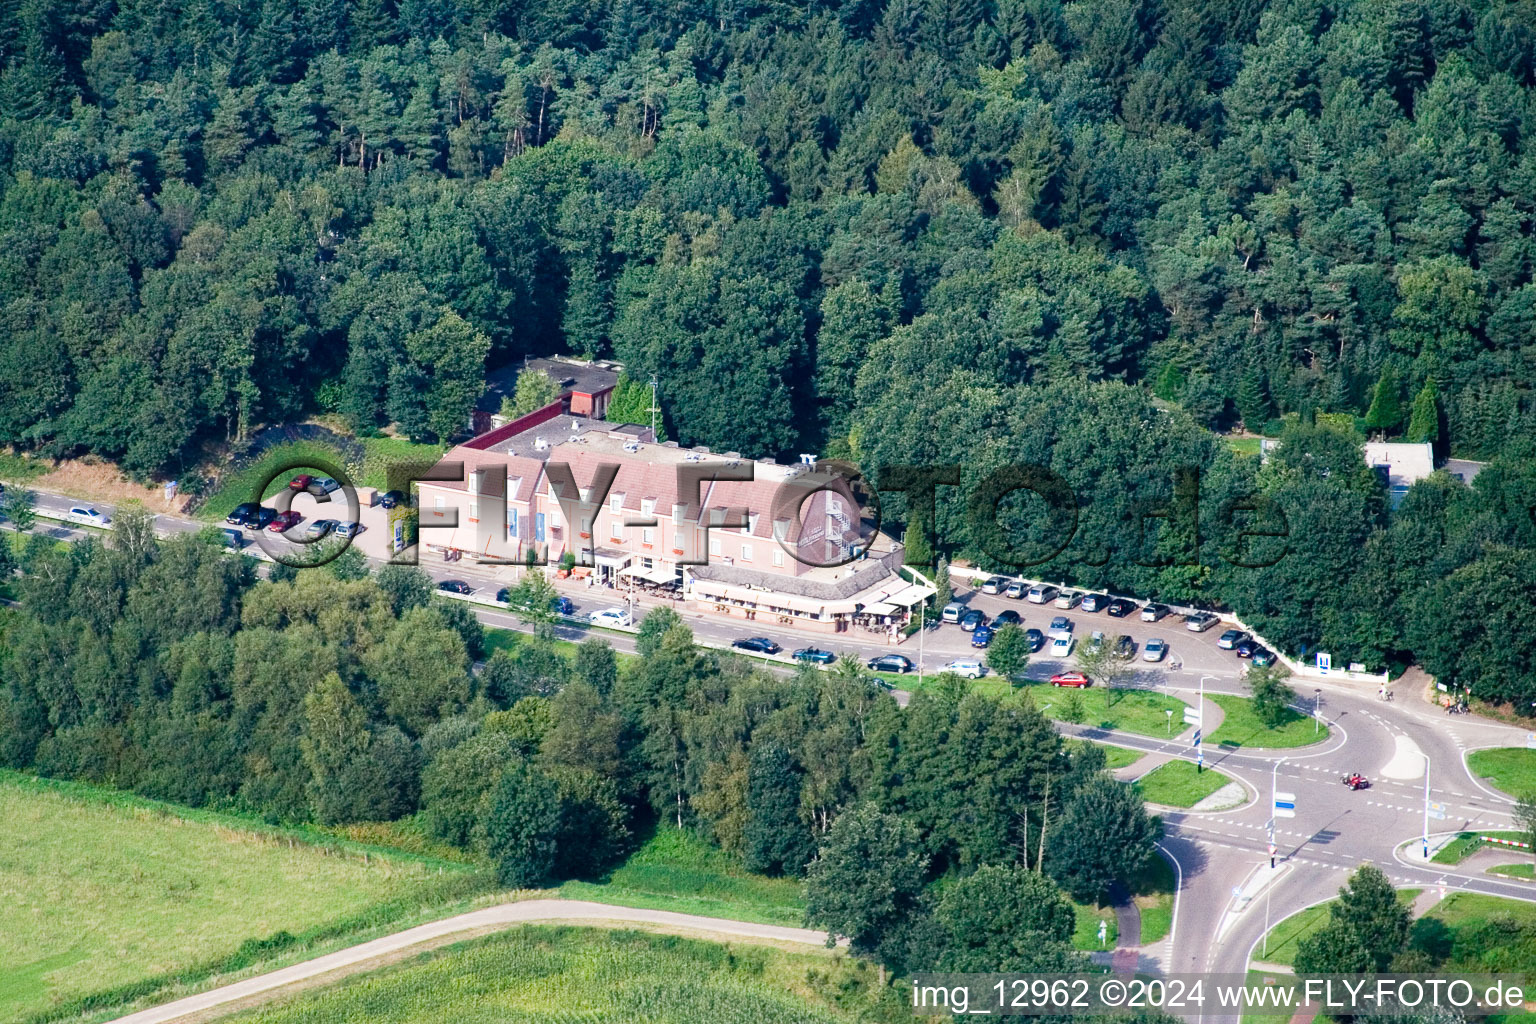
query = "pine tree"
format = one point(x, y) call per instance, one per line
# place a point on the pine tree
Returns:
point(371, 24)
point(1424, 423)
point(1170, 383)
point(945, 592)
point(1253, 399)
point(1386, 410)
point(775, 841)
point(918, 551)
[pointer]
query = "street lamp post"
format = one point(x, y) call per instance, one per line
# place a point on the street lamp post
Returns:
point(1169, 713)
point(1317, 702)
point(1273, 776)
point(1426, 807)
point(1200, 727)
point(922, 629)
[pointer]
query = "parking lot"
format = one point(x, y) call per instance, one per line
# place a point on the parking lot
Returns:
point(1190, 655)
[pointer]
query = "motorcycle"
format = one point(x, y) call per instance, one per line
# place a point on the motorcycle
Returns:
point(1356, 781)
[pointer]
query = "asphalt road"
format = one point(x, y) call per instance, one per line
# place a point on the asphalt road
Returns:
point(1334, 831)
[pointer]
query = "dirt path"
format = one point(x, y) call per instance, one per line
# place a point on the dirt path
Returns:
point(252, 990)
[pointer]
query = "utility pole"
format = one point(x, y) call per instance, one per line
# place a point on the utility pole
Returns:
point(1273, 774)
point(922, 629)
point(1426, 807)
point(1317, 703)
point(655, 405)
point(1200, 727)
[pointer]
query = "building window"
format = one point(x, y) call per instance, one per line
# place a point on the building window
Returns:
point(746, 552)
point(474, 482)
point(677, 541)
point(517, 487)
point(474, 511)
point(538, 526)
point(437, 503)
point(647, 506)
point(648, 535)
point(615, 503)
point(778, 556)
point(714, 546)
point(616, 529)
point(512, 522)
point(752, 522)
point(586, 524)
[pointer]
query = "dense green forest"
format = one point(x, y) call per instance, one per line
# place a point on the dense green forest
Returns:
point(333, 696)
point(1080, 234)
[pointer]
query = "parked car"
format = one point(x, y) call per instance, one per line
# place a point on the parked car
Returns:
point(88, 516)
point(1035, 639)
point(968, 669)
point(564, 606)
point(994, 585)
point(390, 499)
point(1245, 648)
point(1263, 656)
point(1068, 599)
point(756, 645)
point(1200, 622)
point(1153, 612)
point(1061, 647)
point(953, 612)
point(348, 528)
point(973, 618)
point(319, 528)
point(284, 521)
point(1015, 589)
point(892, 663)
point(301, 482)
point(455, 587)
point(1125, 647)
point(264, 517)
point(1230, 639)
point(1060, 626)
point(610, 617)
point(323, 485)
point(1007, 617)
point(981, 636)
point(243, 514)
point(1093, 602)
point(1120, 607)
point(1155, 649)
point(1041, 593)
point(815, 656)
point(233, 539)
point(1095, 640)
point(1070, 679)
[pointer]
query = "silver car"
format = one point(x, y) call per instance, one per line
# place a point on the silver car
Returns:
point(1155, 649)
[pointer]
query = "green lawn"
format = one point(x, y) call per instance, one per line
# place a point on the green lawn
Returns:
point(379, 453)
point(1153, 892)
point(19, 469)
point(1245, 445)
point(1180, 784)
point(1240, 727)
point(1463, 908)
point(1526, 870)
point(1468, 843)
point(497, 639)
point(1287, 935)
point(538, 974)
point(677, 870)
point(236, 488)
point(1139, 711)
point(1512, 769)
point(1086, 935)
point(110, 897)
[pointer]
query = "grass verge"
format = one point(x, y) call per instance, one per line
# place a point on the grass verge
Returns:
point(1142, 712)
point(1526, 870)
point(1085, 936)
point(113, 898)
point(1284, 938)
point(1180, 784)
point(1467, 843)
point(1511, 769)
point(676, 870)
point(1153, 891)
point(1240, 727)
point(544, 973)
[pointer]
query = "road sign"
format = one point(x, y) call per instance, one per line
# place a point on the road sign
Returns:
point(1191, 715)
point(1103, 932)
point(1437, 811)
point(399, 534)
point(1530, 740)
point(1285, 805)
point(1197, 738)
point(1324, 663)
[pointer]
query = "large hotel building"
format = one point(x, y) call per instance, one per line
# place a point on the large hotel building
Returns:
point(786, 547)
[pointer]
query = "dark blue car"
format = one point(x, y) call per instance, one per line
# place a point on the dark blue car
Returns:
point(981, 636)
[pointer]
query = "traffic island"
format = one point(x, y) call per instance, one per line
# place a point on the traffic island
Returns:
point(1181, 784)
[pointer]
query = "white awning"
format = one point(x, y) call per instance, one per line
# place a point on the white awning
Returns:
point(879, 608)
point(633, 570)
point(841, 607)
point(911, 595)
point(658, 574)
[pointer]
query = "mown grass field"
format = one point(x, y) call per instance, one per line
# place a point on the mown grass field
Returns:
point(1152, 891)
point(1240, 727)
point(1285, 937)
point(676, 870)
point(1511, 769)
point(1180, 784)
point(105, 892)
point(540, 975)
point(1139, 711)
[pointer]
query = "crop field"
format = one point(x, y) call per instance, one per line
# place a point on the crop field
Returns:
point(556, 974)
point(109, 897)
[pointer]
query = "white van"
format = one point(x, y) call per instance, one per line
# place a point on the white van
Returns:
point(1041, 593)
point(952, 612)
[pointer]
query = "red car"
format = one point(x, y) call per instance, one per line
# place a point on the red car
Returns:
point(301, 482)
point(285, 520)
point(1070, 679)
